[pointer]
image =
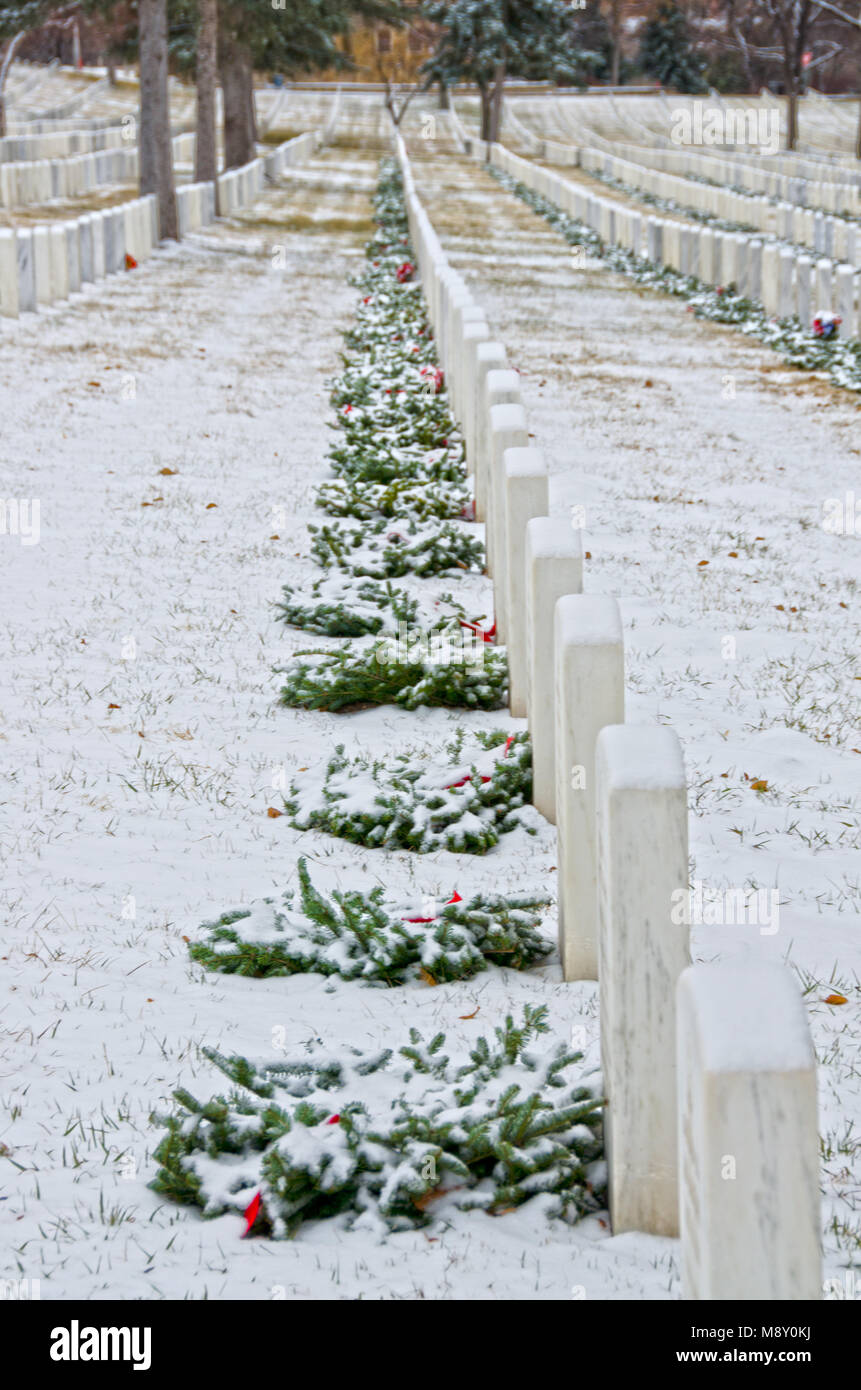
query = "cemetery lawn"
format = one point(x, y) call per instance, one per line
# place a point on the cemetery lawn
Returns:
point(173, 424)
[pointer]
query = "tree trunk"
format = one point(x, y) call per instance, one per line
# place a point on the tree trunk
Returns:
point(496, 103)
point(485, 112)
point(156, 149)
point(792, 119)
point(237, 83)
point(112, 70)
point(206, 156)
point(616, 40)
point(794, 36)
point(858, 136)
point(252, 109)
point(790, 82)
point(444, 98)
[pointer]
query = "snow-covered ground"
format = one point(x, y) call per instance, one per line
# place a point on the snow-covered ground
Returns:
point(142, 742)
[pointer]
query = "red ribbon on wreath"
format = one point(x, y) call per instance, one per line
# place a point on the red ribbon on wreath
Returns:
point(488, 635)
point(250, 1214)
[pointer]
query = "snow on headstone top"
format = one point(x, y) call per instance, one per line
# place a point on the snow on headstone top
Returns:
point(492, 352)
point(641, 757)
point(507, 417)
point(587, 619)
point(749, 1018)
point(502, 379)
point(523, 462)
point(552, 538)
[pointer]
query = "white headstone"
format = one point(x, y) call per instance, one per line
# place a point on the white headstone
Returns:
point(489, 357)
point(804, 289)
point(463, 315)
point(42, 262)
point(748, 1136)
point(824, 287)
point(753, 286)
point(642, 867)
point(73, 255)
point(85, 225)
point(786, 273)
point(8, 274)
point(845, 296)
point(26, 271)
point(99, 263)
point(507, 431)
point(59, 262)
point(110, 234)
point(590, 692)
point(473, 334)
point(527, 487)
point(770, 281)
point(707, 271)
point(554, 568)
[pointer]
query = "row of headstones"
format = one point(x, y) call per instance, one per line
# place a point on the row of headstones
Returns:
point(239, 187)
point(785, 176)
point(45, 264)
point(37, 181)
point(59, 144)
point(827, 235)
point(784, 280)
point(709, 1071)
point(543, 147)
point(66, 109)
point(38, 125)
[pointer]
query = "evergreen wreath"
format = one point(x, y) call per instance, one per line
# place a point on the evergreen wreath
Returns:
point(445, 667)
point(358, 936)
point(379, 1140)
point(462, 803)
point(382, 550)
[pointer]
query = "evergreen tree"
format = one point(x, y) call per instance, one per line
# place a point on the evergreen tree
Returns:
point(485, 41)
point(667, 52)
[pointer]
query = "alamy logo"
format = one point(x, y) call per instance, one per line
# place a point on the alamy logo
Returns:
point(76, 1343)
point(735, 908)
point(700, 124)
point(463, 646)
point(20, 518)
point(842, 516)
point(849, 1287)
point(25, 1290)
